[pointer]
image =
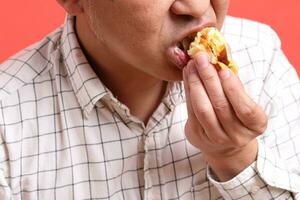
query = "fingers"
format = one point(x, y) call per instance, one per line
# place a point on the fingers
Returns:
point(249, 112)
point(233, 107)
point(213, 87)
point(216, 96)
point(192, 136)
point(218, 104)
point(193, 129)
point(187, 96)
point(202, 107)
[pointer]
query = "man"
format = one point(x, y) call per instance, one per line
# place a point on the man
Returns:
point(98, 109)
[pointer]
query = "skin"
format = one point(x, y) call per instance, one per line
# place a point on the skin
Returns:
point(223, 121)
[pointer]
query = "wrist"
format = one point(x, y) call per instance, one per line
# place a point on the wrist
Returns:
point(227, 166)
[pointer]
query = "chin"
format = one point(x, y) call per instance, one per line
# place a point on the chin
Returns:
point(167, 72)
point(174, 75)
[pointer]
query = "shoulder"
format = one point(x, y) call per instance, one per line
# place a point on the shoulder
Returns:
point(253, 46)
point(28, 64)
point(250, 33)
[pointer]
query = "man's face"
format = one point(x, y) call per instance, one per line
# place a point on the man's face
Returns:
point(145, 34)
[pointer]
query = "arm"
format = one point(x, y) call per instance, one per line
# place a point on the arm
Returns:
point(276, 173)
point(275, 153)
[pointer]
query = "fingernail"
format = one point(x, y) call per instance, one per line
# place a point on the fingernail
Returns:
point(224, 73)
point(201, 60)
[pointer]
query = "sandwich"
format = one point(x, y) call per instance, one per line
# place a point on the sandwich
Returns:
point(211, 41)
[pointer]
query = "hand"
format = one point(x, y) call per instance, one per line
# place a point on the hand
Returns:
point(223, 122)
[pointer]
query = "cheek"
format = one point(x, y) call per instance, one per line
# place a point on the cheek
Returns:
point(137, 39)
point(138, 31)
point(136, 25)
point(220, 8)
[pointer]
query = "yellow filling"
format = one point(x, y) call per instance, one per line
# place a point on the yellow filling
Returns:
point(211, 41)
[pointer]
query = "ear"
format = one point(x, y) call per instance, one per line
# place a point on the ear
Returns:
point(73, 7)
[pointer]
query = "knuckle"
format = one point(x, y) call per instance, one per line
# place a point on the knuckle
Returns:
point(192, 133)
point(194, 82)
point(256, 118)
point(188, 132)
point(191, 127)
point(232, 90)
point(187, 127)
point(249, 111)
point(262, 126)
point(208, 77)
point(219, 141)
point(203, 109)
point(220, 105)
point(239, 142)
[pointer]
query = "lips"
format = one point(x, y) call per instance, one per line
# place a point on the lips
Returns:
point(177, 52)
point(177, 56)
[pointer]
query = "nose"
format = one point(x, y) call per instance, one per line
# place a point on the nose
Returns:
point(193, 8)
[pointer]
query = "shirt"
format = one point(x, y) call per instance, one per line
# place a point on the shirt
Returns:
point(65, 136)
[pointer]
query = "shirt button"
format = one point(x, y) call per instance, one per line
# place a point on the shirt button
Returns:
point(255, 189)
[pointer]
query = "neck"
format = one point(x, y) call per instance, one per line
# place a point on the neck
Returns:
point(141, 97)
point(140, 92)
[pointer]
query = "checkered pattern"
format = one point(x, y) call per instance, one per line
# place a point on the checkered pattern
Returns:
point(65, 136)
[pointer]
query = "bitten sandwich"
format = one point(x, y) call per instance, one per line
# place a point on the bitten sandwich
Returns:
point(211, 41)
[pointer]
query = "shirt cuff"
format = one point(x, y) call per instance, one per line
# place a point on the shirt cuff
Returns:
point(267, 178)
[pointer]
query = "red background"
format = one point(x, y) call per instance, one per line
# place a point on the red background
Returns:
point(24, 22)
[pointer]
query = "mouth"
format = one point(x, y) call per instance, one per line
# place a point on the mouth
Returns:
point(184, 44)
point(177, 53)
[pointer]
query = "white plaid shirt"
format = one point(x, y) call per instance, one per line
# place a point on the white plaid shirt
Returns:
point(63, 135)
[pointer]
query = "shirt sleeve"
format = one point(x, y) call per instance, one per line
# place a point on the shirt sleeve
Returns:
point(5, 191)
point(276, 172)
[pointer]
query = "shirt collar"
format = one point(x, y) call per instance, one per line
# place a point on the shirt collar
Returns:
point(175, 94)
point(86, 85)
